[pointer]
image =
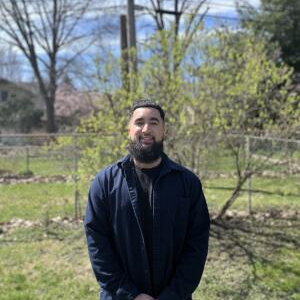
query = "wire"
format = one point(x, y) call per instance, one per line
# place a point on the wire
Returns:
point(218, 4)
point(96, 10)
point(222, 17)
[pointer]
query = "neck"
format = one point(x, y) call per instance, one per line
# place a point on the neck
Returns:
point(142, 165)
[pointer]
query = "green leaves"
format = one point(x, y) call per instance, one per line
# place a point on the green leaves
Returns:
point(249, 91)
point(278, 21)
point(225, 82)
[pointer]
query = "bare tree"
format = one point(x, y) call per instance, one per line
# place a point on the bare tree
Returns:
point(41, 29)
point(183, 27)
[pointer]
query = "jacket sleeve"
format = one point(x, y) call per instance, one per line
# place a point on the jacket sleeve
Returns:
point(191, 264)
point(102, 253)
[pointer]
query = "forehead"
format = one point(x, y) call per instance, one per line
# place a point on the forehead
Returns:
point(146, 113)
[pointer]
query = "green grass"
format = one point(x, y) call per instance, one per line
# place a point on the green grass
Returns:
point(216, 163)
point(267, 193)
point(283, 274)
point(45, 265)
point(52, 263)
point(36, 200)
point(40, 200)
point(38, 165)
point(252, 259)
point(49, 167)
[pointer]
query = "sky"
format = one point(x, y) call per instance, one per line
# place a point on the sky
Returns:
point(216, 7)
point(219, 12)
point(226, 7)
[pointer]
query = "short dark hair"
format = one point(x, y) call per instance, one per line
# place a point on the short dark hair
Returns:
point(147, 103)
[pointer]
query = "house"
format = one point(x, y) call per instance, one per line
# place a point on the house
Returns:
point(71, 104)
point(22, 109)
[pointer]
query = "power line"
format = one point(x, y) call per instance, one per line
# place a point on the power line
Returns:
point(222, 17)
point(93, 7)
point(112, 10)
point(218, 4)
point(97, 10)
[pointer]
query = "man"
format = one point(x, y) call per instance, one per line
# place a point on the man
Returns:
point(147, 223)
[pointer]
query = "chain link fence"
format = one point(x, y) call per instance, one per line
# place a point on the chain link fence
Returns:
point(39, 180)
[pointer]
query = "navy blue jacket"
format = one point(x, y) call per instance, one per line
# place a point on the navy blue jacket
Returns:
point(116, 243)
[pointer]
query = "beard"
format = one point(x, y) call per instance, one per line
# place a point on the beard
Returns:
point(147, 154)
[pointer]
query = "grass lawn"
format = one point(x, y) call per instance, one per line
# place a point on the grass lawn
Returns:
point(36, 201)
point(249, 258)
point(267, 193)
point(52, 263)
point(253, 259)
point(40, 200)
point(45, 264)
point(42, 165)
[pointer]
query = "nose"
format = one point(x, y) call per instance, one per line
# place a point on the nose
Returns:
point(146, 128)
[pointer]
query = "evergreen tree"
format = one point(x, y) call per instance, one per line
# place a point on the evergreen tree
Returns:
point(279, 21)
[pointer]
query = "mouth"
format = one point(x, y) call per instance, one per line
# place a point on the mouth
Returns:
point(147, 140)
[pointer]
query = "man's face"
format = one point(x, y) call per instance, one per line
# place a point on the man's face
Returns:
point(146, 126)
point(146, 133)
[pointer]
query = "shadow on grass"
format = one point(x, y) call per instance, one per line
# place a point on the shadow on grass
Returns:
point(261, 254)
point(269, 246)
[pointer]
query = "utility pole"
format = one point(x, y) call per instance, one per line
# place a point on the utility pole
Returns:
point(177, 18)
point(131, 34)
point(124, 52)
point(177, 14)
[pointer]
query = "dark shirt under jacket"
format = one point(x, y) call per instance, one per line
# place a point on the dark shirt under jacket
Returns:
point(145, 180)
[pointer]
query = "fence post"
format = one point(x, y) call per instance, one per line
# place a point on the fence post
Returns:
point(249, 180)
point(27, 159)
point(77, 209)
point(289, 158)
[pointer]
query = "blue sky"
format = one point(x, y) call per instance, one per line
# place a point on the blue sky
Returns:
point(217, 10)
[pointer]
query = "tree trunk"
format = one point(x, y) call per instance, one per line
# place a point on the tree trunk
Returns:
point(51, 126)
point(228, 203)
point(233, 197)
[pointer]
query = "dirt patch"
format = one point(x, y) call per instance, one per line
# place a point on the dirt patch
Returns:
point(14, 179)
point(16, 223)
point(260, 216)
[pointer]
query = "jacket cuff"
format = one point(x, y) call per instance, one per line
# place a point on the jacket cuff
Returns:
point(133, 295)
point(128, 292)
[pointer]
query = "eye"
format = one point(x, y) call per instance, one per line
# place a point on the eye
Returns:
point(139, 123)
point(154, 123)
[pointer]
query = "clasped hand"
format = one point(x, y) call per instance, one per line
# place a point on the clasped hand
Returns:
point(144, 297)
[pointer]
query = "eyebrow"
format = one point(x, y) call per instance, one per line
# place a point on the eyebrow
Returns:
point(151, 119)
